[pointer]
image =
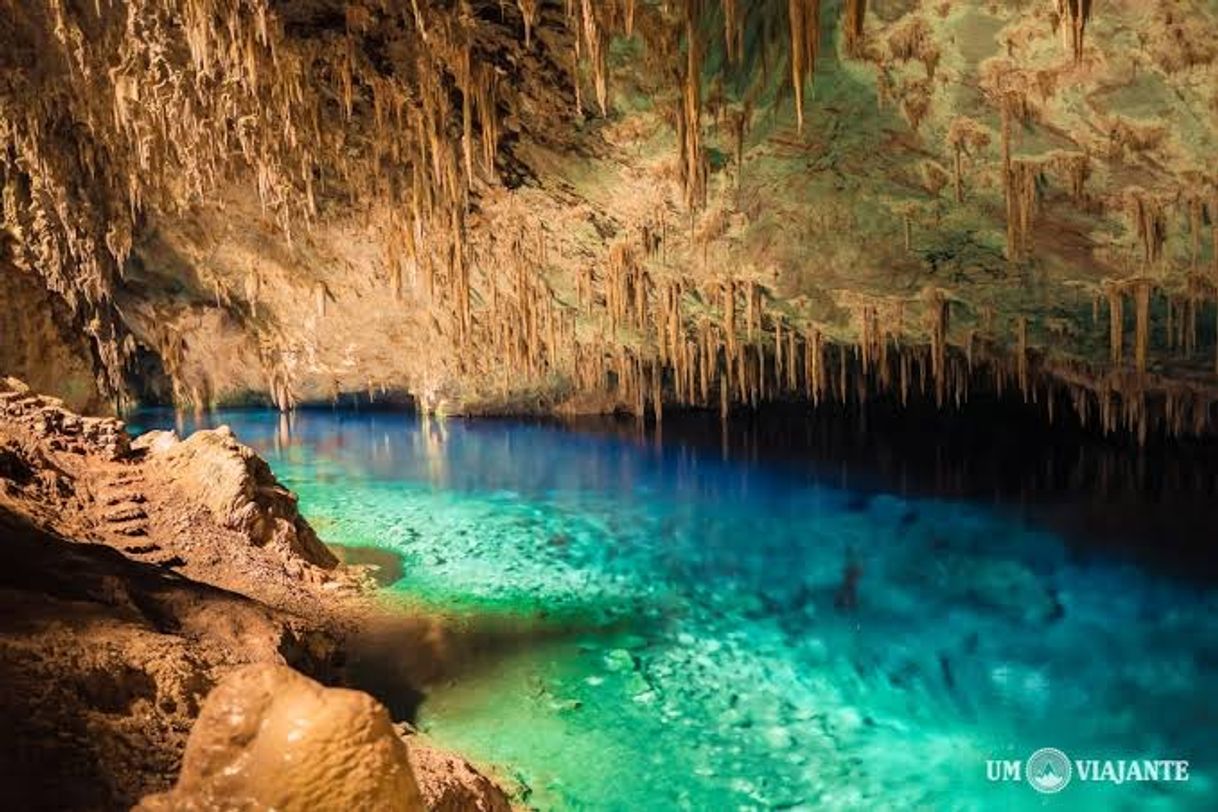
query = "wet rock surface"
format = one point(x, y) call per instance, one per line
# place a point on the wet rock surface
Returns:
point(269, 738)
point(137, 576)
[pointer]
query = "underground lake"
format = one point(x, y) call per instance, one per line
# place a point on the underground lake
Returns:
point(786, 613)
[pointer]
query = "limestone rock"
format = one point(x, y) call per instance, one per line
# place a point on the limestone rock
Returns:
point(238, 487)
point(40, 342)
point(270, 738)
point(449, 783)
point(155, 442)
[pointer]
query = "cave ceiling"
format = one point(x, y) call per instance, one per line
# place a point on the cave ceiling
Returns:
point(518, 205)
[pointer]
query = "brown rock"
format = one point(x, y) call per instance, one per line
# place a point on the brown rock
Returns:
point(270, 738)
point(451, 784)
point(238, 487)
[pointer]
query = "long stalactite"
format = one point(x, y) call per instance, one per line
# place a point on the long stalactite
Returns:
point(803, 17)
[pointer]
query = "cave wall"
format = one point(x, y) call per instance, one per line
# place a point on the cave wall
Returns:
point(40, 344)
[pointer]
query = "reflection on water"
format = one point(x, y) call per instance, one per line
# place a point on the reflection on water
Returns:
point(797, 614)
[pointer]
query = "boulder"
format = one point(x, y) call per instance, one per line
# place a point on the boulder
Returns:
point(271, 738)
point(237, 486)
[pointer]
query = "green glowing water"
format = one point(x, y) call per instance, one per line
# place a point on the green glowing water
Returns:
point(712, 657)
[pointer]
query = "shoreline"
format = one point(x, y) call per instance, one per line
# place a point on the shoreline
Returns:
point(143, 572)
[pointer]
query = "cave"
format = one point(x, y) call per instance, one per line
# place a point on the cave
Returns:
point(608, 404)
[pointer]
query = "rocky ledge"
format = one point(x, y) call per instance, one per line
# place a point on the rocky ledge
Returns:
point(139, 576)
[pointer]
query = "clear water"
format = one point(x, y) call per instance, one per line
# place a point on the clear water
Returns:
point(714, 658)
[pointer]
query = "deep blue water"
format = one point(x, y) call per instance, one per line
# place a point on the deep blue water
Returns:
point(781, 621)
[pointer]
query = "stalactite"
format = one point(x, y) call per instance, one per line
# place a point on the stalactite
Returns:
point(1141, 293)
point(733, 29)
point(1196, 217)
point(596, 41)
point(904, 362)
point(1021, 332)
point(1073, 16)
point(320, 297)
point(778, 349)
point(1021, 199)
point(842, 379)
point(704, 362)
point(253, 289)
point(1116, 324)
point(938, 311)
point(528, 11)
point(803, 17)
point(1150, 224)
point(657, 393)
point(1013, 104)
point(854, 18)
point(751, 310)
point(792, 367)
point(693, 157)
point(465, 82)
point(964, 137)
point(577, 88)
point(729, 330)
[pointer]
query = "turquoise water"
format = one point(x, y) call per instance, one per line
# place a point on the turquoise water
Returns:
point(745, 632)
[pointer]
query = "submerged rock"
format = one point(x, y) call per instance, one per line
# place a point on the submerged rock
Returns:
point(620, 660)
point(270, 738)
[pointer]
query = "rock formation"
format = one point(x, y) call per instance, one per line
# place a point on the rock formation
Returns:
point(270, 738)
point(238, 487)
point(138, 575)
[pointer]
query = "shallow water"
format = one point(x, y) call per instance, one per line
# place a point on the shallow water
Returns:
point(745, 631)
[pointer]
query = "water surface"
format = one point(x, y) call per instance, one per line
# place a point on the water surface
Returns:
point(782, 622)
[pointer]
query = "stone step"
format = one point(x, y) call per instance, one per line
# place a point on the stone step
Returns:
point(126, 514)
point(140, 549)
point(169, 562)
point(123, 497)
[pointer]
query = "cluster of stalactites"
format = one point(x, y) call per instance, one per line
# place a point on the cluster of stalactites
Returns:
point(964, 137)
point(1073, 16)
point(593, 23)
point(1148, 217)
point(157, 103)
point(1182, 311)
point(1023, 179)
point(681, 351)
point(751, 353)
